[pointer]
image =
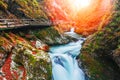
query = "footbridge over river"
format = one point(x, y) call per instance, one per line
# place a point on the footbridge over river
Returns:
point(26, 23)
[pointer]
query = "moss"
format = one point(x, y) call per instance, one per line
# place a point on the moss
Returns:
point(5, 44)
point(31, 8)
point(48, 35)
point(95, 70)
point(3, 5)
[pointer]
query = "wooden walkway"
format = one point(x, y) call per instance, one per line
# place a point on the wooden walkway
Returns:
point(13, 23)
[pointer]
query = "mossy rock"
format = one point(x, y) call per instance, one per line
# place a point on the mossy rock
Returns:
point(38, 66)
point(97, 54)
point(48, 35)
point(28, 9)
point(3, 5)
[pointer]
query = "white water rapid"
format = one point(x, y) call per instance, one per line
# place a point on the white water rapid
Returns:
point(64, 63)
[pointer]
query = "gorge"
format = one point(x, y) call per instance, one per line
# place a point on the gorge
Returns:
point(83, 42)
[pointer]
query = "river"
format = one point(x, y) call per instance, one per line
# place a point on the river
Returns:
point(64, 63)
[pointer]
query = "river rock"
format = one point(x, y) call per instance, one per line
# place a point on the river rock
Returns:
point(48, 35)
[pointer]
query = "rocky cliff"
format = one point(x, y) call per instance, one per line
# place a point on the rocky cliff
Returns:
point(100, 54)
point(30, 9)
point(101, 51)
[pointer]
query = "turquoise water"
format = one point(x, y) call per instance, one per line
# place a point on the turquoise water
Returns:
point(64, 63)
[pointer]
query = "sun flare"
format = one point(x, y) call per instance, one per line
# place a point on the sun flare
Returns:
point(81, 3)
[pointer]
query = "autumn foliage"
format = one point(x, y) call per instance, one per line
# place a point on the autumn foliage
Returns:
point(85, 20)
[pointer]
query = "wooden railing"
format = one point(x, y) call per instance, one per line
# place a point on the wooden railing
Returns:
point(8, 23)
